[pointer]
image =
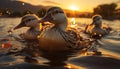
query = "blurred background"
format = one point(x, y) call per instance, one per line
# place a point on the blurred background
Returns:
point(109, 9)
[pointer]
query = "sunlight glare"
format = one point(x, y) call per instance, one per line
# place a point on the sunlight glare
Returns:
point(74, 7)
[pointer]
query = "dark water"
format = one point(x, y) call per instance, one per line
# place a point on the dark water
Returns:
point(110, 48)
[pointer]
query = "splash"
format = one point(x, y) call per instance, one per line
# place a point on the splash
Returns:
point(73, 23)
point(73, 20)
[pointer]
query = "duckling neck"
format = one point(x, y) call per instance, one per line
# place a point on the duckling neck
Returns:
point(98, 26)
point(62, 26)
point(37, 28)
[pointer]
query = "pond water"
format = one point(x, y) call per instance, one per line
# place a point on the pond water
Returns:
point(110, 43)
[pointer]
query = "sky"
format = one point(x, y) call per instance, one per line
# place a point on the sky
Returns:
point(81, 5)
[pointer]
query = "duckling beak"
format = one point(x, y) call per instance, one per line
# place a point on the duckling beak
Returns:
point(47, 18)
point(92, 23)
point(19, 26)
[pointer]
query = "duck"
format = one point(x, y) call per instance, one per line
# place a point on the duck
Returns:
point(31, 21)
point(57, 38)
point(96, 29)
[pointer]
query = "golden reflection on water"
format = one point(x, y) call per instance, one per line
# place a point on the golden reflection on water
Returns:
point(72, 23)
point(72, 66)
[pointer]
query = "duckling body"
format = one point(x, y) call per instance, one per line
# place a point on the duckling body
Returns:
point(96, 29)
point(52, 40)
point(30, 34)
point(56, 38)
point(31, 21)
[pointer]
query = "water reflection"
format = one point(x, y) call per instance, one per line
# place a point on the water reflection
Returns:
point(110, 43)
point(54, 58)
point(58, 58)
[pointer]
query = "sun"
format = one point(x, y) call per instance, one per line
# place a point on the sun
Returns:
point(73, 7)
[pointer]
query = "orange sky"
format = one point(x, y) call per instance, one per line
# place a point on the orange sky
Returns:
point(81, 5)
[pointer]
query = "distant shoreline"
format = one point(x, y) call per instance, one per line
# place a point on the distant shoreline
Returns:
point(8, 17)
point(111, 19)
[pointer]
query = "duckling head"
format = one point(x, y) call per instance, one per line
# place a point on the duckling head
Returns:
point(56, 16)
point(29, 20)
point(97, 20)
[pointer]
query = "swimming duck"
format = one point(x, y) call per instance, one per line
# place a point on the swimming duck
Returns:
point(57, 38)
point(30, 20)
point(95, 29)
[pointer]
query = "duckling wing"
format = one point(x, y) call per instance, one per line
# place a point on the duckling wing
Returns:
point(71, 37)
point(30, 34)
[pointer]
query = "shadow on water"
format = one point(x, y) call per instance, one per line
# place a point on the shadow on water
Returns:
point(58, 62)
point(32, 66)
point(59, 58)
point(55, 61)
point(55, 58)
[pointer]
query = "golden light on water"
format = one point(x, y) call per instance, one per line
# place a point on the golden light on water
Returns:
point(73, 23)
point(73, 20)
point(68, 66)
point(6, 45)
point(94, 33)
point(1, 14)
point(3, 46)
point(100, 35)
point(41, 26)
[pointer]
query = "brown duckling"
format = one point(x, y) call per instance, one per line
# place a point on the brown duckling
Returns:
point(95, 29)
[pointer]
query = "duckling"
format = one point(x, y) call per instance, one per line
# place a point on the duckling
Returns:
point(95, 29)
point(30, 20)
point(57, 38)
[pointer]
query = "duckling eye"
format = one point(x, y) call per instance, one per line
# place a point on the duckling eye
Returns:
point(96, 19)
point(56, 11)
point(27, 20)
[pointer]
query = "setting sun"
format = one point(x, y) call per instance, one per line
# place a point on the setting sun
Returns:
point(74, 7)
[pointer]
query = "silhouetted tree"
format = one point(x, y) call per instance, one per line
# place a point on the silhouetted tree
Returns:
point(16, 14)
point(5, 11)
point(41, 12)
point(27, 12)
point(106, 10)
